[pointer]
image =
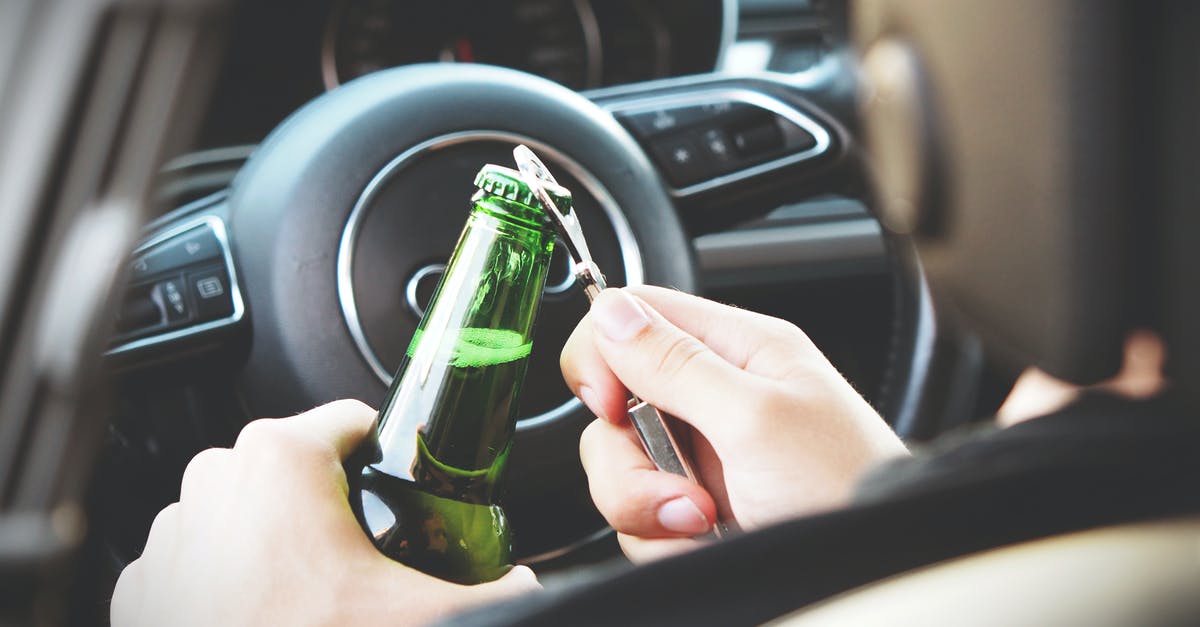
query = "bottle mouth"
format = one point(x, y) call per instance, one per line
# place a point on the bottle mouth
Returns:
point(529, 216)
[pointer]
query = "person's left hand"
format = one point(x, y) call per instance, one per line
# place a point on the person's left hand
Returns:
point(263, 534)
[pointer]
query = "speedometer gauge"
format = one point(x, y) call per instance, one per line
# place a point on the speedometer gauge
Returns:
point(556, 39)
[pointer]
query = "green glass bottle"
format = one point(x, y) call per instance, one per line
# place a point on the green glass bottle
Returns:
point(427, 494)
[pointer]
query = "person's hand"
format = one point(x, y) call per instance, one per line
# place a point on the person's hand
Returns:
point(263, 534)
point(776, 431)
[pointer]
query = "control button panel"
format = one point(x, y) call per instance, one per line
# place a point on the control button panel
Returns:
point(209, 290)
point(179, 283)
point(169, 295)
point(681, 158)
point(197, 245)
point(722, 134)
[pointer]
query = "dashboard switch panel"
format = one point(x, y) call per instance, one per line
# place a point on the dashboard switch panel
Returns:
point(169, 296)
point(711, 138)
point(717, 144)
point(664, 120)
point(139, 311)
point(209, 289)
point(196, 245)
point(681, 159)
point(763, 138)
point(182, 282)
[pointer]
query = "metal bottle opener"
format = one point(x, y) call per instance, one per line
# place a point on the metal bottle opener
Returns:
point(653, 428)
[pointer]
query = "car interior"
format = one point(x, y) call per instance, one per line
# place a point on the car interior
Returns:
point(214, 211)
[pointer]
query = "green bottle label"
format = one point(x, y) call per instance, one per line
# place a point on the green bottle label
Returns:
point(474, 348)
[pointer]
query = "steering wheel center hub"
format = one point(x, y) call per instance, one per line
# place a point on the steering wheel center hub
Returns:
point(406, 221)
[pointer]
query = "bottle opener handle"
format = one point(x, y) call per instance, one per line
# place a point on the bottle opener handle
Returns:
point(651, 425)
point(658, 438)
point(656, 435)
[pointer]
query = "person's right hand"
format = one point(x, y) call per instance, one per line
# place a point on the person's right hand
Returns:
point(776, 432)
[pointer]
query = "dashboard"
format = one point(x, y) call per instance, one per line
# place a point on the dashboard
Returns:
point(285, 53)
point(579, 43)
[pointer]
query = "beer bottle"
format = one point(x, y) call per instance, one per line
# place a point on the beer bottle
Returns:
point(427, 493)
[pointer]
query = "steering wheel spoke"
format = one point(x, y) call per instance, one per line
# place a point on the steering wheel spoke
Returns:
point(183, 297)
point(730, 149)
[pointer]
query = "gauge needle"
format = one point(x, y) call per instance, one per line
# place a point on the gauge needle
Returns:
point(464, 52)
point(459, 50)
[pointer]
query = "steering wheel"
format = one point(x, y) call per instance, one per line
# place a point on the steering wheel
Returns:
point(323, 254)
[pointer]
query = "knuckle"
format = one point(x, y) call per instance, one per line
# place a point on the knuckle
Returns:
point(677, 355)
point(779, 329)
point(587, 442)
point(123, 610)
point(564, 359)
point(205, 464)
point(627, 514)
point(267, 441)
point(568, 364)
point(164, 524)
point(767, 405)
point(165, 516)
point(783, 328)
point(774, 404)
point(577, 351)
point(623, 521)
point(258, 434)
point(350, 406)
point(626, 505)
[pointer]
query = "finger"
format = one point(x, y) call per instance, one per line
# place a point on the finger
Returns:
point(519, 580)
point(586, 374)
point(761, 345)
point(339, 426)
point(641, 550)
point(671, 369)
point(751, 341)
point(163, 531)
point(635, 497)
point(343, 424)
point(128, 595)
point(439, 599)
point(197, 476)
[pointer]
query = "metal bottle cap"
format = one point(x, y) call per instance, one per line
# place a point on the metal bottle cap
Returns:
point(510, 184)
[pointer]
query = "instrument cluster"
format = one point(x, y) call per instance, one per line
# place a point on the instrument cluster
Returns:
point(579, 43)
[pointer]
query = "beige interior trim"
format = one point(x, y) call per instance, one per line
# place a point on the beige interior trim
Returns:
point(1145, 575)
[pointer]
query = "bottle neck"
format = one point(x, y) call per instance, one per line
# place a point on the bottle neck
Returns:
point(449, 418)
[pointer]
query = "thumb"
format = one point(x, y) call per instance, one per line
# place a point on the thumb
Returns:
point(341, 425)
point(441, 600)
point(666, 366)
point(520, 580)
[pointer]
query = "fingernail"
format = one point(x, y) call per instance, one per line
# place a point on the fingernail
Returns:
point(589, 398)
point(619, 316)
point(682, 516)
